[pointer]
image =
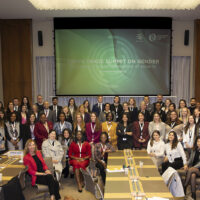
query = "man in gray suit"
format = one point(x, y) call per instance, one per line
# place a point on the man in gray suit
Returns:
point(150, 106)
point(50, 114)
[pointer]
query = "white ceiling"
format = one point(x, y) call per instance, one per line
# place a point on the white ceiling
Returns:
point(23, 9)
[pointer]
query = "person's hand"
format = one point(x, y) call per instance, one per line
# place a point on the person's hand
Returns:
point(107, 151)
point(187, 145)
point(152, 154)
point(55, 161)
point(91, 143)
point(185, 167)
point(140, 140)
point(165, 159)
point(143, 140)
point(47, 172)
point(104, 165)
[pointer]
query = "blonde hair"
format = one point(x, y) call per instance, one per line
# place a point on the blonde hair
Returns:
point(134, 104)
point(181, 111)
point(82, 123)
point(26, 150)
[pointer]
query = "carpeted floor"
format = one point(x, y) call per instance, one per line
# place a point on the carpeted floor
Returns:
point(68, 188)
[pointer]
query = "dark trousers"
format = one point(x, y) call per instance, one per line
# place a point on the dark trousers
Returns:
point(102, 171)
point(52, 184)
point(177, 164)
point(66, 169)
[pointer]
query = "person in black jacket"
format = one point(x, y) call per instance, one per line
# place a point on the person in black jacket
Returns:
point(147, 116)
point(159, 111)
point(124, 133)
point(55, 107)
point(99, 106)
point(117, 108)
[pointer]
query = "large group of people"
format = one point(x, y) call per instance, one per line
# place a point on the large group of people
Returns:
point(80, 135)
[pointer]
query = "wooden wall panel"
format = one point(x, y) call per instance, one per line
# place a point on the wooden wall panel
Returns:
point(16, 44)
point(197, 58)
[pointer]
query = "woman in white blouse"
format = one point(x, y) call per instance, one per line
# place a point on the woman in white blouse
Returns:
point(189, 134)
point(157, 124)
point(156, 148)
point(175, 155)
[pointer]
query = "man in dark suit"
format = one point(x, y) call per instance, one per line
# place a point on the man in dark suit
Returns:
point(150, 107)
point(40, 103)
point(55, 107)
point(16, 104)
point(159, 111)
point(192, 105)
point(159, 100)
point(50, 114)
point(99, 106)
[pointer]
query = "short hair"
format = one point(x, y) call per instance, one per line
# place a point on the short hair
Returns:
point(53, 98)
point(193, 98)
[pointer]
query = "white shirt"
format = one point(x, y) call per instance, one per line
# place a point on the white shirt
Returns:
point(158, 148)
point(175, 153)
point(189, 137)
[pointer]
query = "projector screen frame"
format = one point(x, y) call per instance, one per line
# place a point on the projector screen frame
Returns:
point(114, 23)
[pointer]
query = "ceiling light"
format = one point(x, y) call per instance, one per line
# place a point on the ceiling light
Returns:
point(114, 4)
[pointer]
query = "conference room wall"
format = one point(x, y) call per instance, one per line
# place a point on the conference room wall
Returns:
point(1, 80)
point(178, 48)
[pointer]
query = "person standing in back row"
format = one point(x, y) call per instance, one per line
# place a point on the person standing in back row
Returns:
point(99, 106)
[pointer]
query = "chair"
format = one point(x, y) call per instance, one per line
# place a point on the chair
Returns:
point(43, 189)
point(91, 185)
point(22, 178)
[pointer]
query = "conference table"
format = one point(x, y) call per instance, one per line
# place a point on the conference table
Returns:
point(10, 166)
point(139, 180)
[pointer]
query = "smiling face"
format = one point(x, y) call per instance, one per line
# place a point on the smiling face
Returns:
point(52, 135)
point(79, 136)
point(107, 107)
point(171, 136)
point(78, 118)
point(156, 136)
point(191, 119)
point(93, 117)
point(32, 118)
point(43, 118)
point(182, 104)
point(156, 117)
point(100, 99)
point(196, 112)
point(66, 134)
point(173, 116)
point(109, 117)
point(13, 117)
point(184, 112)
point(125, 118)
point(32, 147)
point(141, 117)
point(116, 100)
point(103, 138)
point(62, 117)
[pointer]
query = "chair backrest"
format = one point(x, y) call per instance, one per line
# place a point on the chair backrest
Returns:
point(49, 163)
point(92, 186)
point(22, 178)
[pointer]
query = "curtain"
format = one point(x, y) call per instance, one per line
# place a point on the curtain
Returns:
point(45, 82)
point(180, 77)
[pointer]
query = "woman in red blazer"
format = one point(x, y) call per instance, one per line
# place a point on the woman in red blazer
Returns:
point(140, 133)
point(79, 154)
point(38, 169)
point(41, 130)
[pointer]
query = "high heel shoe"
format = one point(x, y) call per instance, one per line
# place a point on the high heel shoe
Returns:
point(80, 190)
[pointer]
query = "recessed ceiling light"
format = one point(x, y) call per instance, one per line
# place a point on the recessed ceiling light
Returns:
point(114, 4)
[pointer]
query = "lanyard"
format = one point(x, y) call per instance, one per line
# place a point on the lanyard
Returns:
point(109, 128)
point(80, 148)
point(172, 124)
point(190, 134)
point(103, 148)
point(62, 126)
point(93, 129)
point(13, 127)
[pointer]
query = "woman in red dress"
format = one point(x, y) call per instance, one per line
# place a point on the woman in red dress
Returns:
point(79, 154)
point(42, 129)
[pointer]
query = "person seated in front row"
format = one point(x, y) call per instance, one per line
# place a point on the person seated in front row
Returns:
point(156, 148)
point(125, 134)
point(101, 154)
point(52, 148)
point(65, 142)
point(175, 155)
point(193, 169)
point(79, 154)
point(38, 169)
point(140, 133)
